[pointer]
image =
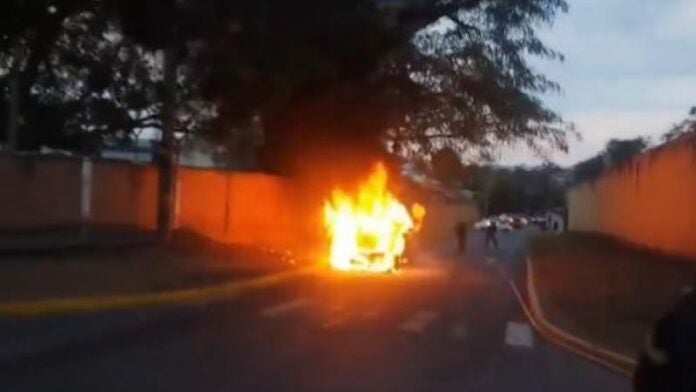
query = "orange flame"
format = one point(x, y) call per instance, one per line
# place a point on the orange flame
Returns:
point(368, 231)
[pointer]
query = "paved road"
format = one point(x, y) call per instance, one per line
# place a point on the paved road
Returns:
point(449, 325)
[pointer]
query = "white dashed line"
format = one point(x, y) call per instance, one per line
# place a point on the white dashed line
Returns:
point(285, 307)
point(519, 334)
point(418, 321)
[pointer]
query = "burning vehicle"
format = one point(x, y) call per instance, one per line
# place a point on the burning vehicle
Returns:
point(368, 230)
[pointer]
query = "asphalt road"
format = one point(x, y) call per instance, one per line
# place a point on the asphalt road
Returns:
point(449, 324)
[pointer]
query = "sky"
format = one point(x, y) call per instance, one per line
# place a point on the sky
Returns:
point(629, 70)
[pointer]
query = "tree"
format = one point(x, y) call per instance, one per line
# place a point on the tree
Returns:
point(467, 84)
point(447, 167)
point(167, 27)
point(589, 169)
point(504, 196)
point(618, 152)
point(524, 190)
point(327, 79)
point(357, 79)
point(686, 126)
point(475, 177)
point(414, 75)
point(28, 30)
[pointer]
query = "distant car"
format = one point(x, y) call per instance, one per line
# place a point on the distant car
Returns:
point(504, 227)
point(505, 219)
point(539, 221)
point(518, 223)
point(482, 224)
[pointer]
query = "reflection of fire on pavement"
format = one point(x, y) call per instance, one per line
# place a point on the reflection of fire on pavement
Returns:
point(368, 229)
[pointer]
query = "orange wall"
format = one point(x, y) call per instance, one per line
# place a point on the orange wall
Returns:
point(441, 218)
point(245, 208)
point(230, 207)
point(124, 194)
point(39, 192)
point(651, 202)
point(44, 192)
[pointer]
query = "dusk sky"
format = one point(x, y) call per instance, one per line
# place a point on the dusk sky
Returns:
point(630, 70)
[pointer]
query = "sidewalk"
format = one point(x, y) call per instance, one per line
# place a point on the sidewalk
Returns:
point(63, 238)
point(604, 291)
point(70, 297)
point(187, 262)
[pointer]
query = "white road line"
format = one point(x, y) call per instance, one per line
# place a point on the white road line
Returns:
point(418, 321)
point(518, 334)
point(285, 307)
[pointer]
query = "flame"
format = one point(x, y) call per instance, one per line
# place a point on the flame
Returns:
point(368, 231)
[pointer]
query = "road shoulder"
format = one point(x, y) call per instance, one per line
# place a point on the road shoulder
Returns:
point(599, 295)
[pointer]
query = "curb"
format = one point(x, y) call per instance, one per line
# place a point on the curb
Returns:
point(65, 306)
point(614, 361)
point(619, 362)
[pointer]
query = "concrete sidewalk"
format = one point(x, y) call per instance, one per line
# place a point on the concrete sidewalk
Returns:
point(56, 239)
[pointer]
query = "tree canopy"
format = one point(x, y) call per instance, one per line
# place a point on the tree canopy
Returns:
point(524, 190)
point(447, 167)
point(617, 152)
point(685, 126)
point(410, 77)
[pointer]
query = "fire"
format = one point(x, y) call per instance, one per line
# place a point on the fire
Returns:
point(368, 230)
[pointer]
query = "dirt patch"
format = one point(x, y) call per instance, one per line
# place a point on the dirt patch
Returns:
point(189, 261)
point(604, 290)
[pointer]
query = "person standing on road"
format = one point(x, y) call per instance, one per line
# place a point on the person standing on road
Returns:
point(491, 235)
point(461, 231)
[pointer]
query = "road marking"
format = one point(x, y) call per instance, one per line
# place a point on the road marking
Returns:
point(459, 331)
point(518, 334)
point(285, 307)
point(418, 321)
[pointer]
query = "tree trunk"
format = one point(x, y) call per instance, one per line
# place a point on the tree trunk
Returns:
point(165, 216)
point(14, 98)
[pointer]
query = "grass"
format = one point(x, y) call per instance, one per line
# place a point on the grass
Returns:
point(605, 290)
point(189, 261)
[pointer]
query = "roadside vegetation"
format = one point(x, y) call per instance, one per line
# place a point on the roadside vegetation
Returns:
point(188, 261)
point(604, 290)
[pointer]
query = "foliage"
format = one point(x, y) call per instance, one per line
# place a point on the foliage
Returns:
point(415, 77)
point(466, 83)
point(616, 153)
point(589, 169)
point(686, 126)
point(447, 167)
point(524, 190)
point(91, 82)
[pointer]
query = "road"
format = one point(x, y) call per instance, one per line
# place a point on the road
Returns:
point(450, 324)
